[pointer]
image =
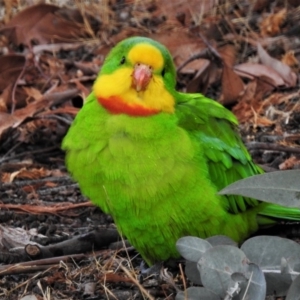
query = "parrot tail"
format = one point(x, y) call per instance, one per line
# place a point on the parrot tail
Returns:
point(271, 213)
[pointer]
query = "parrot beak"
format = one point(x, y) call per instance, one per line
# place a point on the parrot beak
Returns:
point(141, 76)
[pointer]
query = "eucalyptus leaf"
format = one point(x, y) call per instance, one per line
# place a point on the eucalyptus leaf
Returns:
point(267, 252)
point(192, 273)
point(218, 240)
point(192, 248)
point(239, 277)
point(282, 187)
point(294, 290)
point(255, 286)
point(291, 266)
point(218, 264)
point(197, 293)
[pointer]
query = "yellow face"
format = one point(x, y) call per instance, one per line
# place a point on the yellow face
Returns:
point(119, 83)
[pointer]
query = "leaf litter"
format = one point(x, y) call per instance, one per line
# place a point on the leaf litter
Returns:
point(244, 54)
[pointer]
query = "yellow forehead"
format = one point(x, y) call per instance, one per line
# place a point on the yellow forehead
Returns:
point(146, 54)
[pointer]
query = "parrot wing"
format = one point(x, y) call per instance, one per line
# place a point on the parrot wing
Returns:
point(215, 128)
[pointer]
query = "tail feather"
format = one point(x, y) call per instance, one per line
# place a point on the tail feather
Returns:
point(272, 213)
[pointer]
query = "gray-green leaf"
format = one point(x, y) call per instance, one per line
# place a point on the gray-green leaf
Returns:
point(282, 187)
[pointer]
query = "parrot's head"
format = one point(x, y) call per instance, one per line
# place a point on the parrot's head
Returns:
point(137, 78)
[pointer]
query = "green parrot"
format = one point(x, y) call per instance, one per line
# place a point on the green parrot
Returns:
point(155, 158)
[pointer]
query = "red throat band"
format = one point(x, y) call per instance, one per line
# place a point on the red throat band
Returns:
point(116, 105)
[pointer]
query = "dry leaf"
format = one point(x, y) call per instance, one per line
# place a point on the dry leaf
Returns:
point(5, 177)
point(33, 93)
point(243, 112)
point(6, 98)
point(11, 66)
point(228, 54)
point(232, 86)
point(282, 69)
point(253, 70)
point(289, 59)
point(32, 173)
point(259, 5)
point(250, 91)
point(294, 2)
point(45, 23)
point(14, 175)
point(20, 115)
point(263, 122)
point(192, 10)
point(289, 163)
point(270, 26)
point(201, 79)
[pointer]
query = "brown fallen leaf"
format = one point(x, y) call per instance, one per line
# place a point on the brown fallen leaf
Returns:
point(263, 87)
point(290, 60)
point(262, 122)
point(232, 86)
point(249, 92)
point(271, 25)
point(243, 112)
point(282, 69)
point(44, 23)
point(253, 70)
point(184, 12)
point(259, 5)
point(182, 51)
point(293, 2)
point(228, 54)
point(32, 173)
point(201, 79)
point(12, 176)
point(11, 65)
point(32, 93)
point(290, 163)
point(20, 115)
point(6, 98)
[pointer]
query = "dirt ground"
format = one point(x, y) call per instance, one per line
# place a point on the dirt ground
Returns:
point(54, 244)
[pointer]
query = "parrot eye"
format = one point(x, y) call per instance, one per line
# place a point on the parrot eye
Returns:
point(163, 72)
point(122, 60)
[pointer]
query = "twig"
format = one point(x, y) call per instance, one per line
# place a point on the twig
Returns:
point(56, 189)
point(56, 47)
point(37, 265)
point(36, 181)
point(135, 281)
point(96, 239)
point(274, 147)
point(36, 210)
point(13, 148)
point(183, 281)
point(202, 54)
point(55, 117)
point(4, 158)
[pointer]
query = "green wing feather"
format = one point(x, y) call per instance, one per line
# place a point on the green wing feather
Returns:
point(216, 129)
